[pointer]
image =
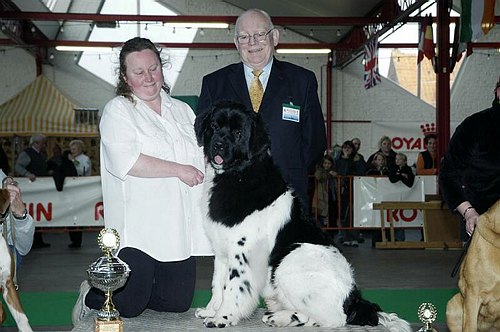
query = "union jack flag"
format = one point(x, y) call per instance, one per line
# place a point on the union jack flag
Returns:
point(372, 76)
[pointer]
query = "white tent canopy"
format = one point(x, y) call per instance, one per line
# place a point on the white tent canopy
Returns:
point(42, 108)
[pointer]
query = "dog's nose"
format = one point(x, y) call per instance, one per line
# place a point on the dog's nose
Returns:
point(218, 146)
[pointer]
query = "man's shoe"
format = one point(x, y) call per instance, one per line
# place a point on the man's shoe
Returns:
point(74, 245)
point(80, 310)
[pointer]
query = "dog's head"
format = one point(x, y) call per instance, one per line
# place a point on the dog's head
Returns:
point(231, 136)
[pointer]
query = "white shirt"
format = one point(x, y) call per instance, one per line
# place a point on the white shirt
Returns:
point(83, 165)
point(159, 216)
point(23, 230)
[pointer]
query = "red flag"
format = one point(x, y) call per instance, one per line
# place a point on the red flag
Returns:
point(426, 43)
point(372, 76)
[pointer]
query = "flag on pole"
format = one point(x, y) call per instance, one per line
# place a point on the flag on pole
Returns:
point(477, 19)
point(372, 76)
point(426, 40)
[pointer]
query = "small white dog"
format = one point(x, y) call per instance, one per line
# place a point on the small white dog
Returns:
point(263, 245)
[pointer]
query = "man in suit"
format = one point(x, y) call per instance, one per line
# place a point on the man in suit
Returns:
point(289, 106)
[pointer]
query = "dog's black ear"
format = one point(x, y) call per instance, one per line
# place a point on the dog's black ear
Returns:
point(259, 138)
point(201, 124)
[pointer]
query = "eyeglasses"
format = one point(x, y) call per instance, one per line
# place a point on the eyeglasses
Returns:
point(258, 37)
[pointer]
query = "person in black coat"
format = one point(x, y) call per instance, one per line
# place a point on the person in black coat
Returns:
point(469, 175)
point(290, 105)
point(401, 171)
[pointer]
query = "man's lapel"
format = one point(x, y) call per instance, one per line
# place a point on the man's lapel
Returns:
point(239, 84)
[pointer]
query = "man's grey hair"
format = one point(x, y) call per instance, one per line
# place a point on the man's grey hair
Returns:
point(254, 10)
point(37, 138)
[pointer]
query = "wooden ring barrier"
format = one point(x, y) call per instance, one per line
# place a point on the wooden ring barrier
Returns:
point(441, 228)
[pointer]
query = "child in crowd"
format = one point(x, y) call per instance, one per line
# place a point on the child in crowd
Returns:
point(401, 171)
point(323, 202)
point(404, 173)
point(378, 166)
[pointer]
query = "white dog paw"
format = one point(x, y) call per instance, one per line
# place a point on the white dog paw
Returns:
point(204, 313)
point(287, 318)
point(219, 321)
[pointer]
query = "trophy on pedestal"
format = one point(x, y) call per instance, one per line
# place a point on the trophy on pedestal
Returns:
point(427, 314)
point(108, 273)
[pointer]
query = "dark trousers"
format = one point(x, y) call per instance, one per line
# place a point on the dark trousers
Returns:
point(37, 238)
point(163, 287)
point(76, 237)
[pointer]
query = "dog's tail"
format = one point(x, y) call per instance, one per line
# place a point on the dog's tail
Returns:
point(362, 312)
point(393, 323)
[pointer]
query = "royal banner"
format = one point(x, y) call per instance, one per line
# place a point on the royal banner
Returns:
point(369, 190)
point(406, 137)
point(79, 204)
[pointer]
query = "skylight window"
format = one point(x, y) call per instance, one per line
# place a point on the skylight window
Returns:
point(104, 65)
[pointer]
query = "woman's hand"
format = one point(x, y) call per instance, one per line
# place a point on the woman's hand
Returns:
point(190, 175)
point(16, 202)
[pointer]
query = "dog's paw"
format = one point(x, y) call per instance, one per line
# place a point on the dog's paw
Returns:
point(287, 318)
point(204, 313)
point(219, 321)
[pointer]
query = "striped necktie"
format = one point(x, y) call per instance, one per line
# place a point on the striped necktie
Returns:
point(256, 90)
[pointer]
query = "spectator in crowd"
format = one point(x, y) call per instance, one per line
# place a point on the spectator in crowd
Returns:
point(82, 161)
point(4, 161)
point(469, 175)
point(426, 160)
point(32, 163)
point(357, 145)
point(56, 159)
point(401, 171)
point(151, 171)
point(64, 169)
point(404, 173)
point(378, 166)
point(385, 147)
point(83, 167)
point(288, 99)
point(346, 166)
point(324, 202)
point(19, 223)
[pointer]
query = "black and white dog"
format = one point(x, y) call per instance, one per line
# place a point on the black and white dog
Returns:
point(263, 245)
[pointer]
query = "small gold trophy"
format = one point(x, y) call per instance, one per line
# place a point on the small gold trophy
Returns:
point(427, 314)
point(108, 273)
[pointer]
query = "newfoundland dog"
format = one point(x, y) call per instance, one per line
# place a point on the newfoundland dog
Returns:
point(263, 244)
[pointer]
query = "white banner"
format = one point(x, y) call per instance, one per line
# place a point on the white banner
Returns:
point(369, 190)
point(79, 204)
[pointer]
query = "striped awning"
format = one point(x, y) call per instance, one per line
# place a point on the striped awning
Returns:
point(42, 108)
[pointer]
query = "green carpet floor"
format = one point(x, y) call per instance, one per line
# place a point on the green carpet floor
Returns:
point(54, 309)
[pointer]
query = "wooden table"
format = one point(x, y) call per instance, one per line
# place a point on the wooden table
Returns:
point(440, 227)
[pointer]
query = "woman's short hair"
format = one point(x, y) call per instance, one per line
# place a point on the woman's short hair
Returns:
point(77, 142)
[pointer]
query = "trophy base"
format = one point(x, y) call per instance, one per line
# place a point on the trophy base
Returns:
point(108, 326)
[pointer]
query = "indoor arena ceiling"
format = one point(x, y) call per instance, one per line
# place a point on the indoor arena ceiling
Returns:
point(335, 24)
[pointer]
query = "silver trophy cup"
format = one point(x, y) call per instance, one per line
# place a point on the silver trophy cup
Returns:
point(108, 273)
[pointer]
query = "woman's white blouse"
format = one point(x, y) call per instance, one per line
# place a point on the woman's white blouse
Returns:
point(159, 216)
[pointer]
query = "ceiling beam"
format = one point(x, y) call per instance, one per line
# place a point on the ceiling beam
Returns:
point(277, 20)
point(281, 20)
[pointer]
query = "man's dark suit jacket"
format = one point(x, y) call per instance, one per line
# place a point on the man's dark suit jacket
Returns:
point(296, 147)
